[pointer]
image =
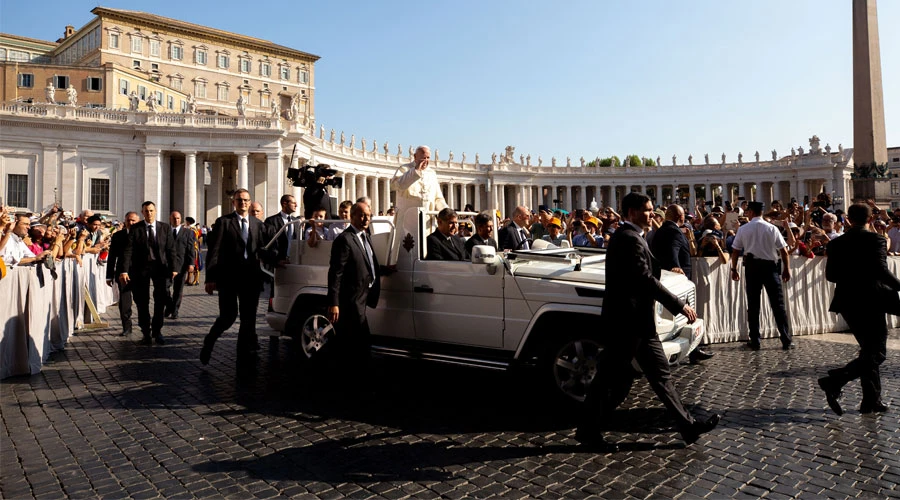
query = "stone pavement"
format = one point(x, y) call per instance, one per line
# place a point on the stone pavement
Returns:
point(110, 418)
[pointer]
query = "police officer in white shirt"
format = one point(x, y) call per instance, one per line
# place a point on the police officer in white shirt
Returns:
point(762, 245)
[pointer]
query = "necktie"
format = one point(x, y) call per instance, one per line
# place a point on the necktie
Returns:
point(245, 234)
point(175, 232)
point(368, 247)
point(151, 239)
point(289, 232)
point(524, 240)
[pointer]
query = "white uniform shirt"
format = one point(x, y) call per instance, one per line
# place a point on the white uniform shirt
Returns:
point(759, 238)
point(894, 235)
point(15, 250)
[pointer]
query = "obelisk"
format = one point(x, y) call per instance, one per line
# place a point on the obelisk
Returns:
point(869, 140)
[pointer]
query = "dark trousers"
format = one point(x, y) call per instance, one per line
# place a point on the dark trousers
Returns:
point(870, 329)
point(765, 274)
point(613, 380)
point(243, 298)
point(125, 301)
point(177, 292)
point(141, 291)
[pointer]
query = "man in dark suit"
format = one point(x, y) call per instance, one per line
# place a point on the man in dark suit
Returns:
point(233, 268)
point(672, 249)
point(514, 235)
point(632, 287)
point(865, 290)
point(275, 222)
point(443, 243)
point(353, 284)
point(116, 251)
point(184, 248)
point(484, 226)
point(150, 257)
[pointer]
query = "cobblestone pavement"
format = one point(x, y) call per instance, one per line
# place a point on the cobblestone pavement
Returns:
point(110, 418)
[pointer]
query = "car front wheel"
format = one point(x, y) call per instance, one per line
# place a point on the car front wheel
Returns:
point(571, 366)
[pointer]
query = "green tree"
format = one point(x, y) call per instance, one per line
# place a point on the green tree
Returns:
point(649, 162)
point(633, 160)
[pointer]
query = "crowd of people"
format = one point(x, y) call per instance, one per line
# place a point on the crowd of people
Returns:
point(143, 253)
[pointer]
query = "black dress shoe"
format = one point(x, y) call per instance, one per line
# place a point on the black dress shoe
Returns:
point(832, 394)
point(174, 315)
point(876, 407)
point(594, 441)
point(788, 347)
point(126, 332)
point(698, 355)
point(205, 354)
point(692, 433)
point(146, 341)
point(160, 340)
point(753, 345)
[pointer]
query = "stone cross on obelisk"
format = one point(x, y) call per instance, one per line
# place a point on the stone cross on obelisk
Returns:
point(869, 141)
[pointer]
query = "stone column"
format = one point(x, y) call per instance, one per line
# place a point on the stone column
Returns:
point(243, 178)
point(190, 184)
point(274, 182)
point(692, 198)
point(49, 176)
point(152, 176)
point(614, 198)
point(376, 196)
point(463, 196)
point(572, 198)
point(214, 195)
point(387, 193)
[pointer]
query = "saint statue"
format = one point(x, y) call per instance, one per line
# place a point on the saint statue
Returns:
point(276, 110)
point(528, 160)
point(757, 157)
point(50, 92)
point(386, 148)
point(191, 104)
point(133, 101)
point(568, 161)
point(552, 161)
point(399, 150)
point(343, 137)
point(151, 102)
point(706, 158)
point(321, 131)
point(477, 159)
point(450, 157)
point(740, 157)
point(774, 155)
point(331, 136)
point(364, 144)
point(463, 162)
point(582, 161)
point(352, 141)
point(674, 160)
point(374, 145)
point(540, 161)
point(72, 95)
point(241, 105)
point(690, 159)
point(723, 158)
point(493, 158)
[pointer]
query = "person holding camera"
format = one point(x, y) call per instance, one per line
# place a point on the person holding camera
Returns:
point(14, 250)
point(762, 245)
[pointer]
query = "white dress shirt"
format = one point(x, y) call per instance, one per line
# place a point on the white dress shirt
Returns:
point(759, 238)
point(15, 250)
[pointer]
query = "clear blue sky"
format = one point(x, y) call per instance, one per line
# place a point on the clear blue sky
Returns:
point(580, 77)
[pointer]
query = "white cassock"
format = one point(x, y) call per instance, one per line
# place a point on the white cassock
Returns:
point(415, 189)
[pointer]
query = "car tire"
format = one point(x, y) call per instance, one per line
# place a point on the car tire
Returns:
point(568, 365)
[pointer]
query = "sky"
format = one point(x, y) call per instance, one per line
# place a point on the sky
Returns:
point(572, 78)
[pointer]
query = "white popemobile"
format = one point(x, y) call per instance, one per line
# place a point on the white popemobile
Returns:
point(534, 307)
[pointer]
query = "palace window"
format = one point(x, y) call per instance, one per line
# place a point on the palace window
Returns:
point(303, 75)
point(154, 48)
point(60, 82)
point(171, 103)
point(895, 189)
point(222, 92)
point(200, 89)
point(25, 80)
point(135, 64)
point(159, 97)
point(222, 61)
point(94, 84)
point(123, 86)
point(200, 56)
point(176, 52)
point(175, 82)
point(100, 194)
point(137, 44)
point(265, 69)
point(19, 56)
point(142, 92)
point(114, 40)
point(17, 190)
point(264, 99)
point(245, 65)
point(285, 72)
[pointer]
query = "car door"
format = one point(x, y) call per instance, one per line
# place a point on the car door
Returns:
point(458, 303)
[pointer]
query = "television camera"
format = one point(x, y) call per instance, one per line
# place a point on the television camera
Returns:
point(314, 180)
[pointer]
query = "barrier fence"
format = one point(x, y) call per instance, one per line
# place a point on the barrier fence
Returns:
point(38, 320)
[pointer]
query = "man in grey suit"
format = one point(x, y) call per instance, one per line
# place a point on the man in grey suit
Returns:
point(865, 290)
point(185, 247)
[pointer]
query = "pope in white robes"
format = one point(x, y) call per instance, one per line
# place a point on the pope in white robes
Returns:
point(417, 187)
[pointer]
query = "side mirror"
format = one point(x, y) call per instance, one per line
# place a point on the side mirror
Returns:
point(485, 254)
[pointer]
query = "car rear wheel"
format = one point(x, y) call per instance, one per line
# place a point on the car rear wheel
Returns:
point(316, 333)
